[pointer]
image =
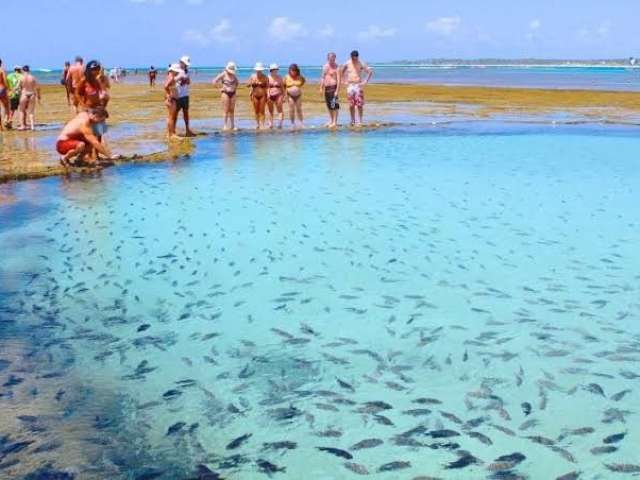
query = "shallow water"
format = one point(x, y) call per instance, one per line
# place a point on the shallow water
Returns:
point(407, 286)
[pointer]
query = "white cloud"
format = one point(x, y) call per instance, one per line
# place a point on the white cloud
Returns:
point(284, 28)
point(444, 25)
point(327, 31)
point(534, 27)
point(597, 33)
point(375, 32)
point(222, 32)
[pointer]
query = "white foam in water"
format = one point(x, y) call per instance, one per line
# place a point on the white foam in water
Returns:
point(274, 286)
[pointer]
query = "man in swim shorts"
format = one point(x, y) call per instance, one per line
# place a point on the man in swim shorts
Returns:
point(352, 74)
point(74, 78)
point(77, 139)
point(329, 88)
point(13, 82)
point(182, 83)
point(4, 97)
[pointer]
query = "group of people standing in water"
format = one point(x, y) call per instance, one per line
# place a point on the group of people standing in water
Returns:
point(87, 91)
point(269, 92)
point(19, 92)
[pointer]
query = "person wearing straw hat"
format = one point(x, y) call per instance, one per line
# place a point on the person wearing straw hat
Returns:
point(275, 97)
point(182, 83)
point(258, 83)
point(229, 81)
point(171, 98)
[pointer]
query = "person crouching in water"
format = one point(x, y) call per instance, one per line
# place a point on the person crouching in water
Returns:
point(77, 141)
point(294, 82)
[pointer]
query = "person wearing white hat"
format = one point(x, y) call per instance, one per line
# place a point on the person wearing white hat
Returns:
point(229, 81)
point(171, 98)
point(258, 83)
point(183, 81)
point(275, 95)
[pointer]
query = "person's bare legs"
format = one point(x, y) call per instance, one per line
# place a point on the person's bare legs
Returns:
point(262, 104)
point(270, 108)
point(4, 101)
point(172, 119)
point(299, 111)
point(292, 112)
point(185, 117)
point(31, 112)
point(280, 110)
point(225, 100)
point(360, 114)
point(232, 112)
point(352, 111)
point(77, 153)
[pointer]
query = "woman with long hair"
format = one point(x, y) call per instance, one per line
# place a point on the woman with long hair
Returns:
point(293, 83)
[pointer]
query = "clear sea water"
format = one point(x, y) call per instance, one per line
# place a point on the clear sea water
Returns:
point(463, 300)
point(586, 78)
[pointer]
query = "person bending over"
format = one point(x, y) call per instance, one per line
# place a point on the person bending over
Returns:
point(77, 139)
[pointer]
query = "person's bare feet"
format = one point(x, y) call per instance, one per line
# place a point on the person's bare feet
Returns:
point(189, 133)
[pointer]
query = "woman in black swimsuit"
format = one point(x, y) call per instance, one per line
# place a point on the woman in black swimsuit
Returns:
point(259, 83)
point(229, 82)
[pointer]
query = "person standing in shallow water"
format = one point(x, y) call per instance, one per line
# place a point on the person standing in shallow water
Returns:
point(153, 73)
point(293, 83)
point(171, 99)
point(74, 77)
point(229, 82)
point(63, 81)
point(329, 88)
point(275, 97)
point(258, 83)
point(352, 74)
point(30, 93)
point(4, 97)
point(183, 82)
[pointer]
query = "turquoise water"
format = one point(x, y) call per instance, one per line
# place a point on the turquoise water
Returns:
point(464, 303)
point(587, 77)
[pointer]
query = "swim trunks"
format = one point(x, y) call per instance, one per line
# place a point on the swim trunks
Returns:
point(355, 95)
point(65, 146)
point(330, 98)
point(15, 103)
point(3, 92)
point(182, 103)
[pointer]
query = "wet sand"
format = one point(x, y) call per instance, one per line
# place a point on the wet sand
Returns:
point(138, 113)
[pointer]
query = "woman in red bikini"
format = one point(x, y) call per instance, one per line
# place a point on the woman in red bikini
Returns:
point(275, 95)
point(230, 83)
point(259, 83)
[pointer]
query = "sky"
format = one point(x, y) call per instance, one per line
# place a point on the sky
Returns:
point(157, 32)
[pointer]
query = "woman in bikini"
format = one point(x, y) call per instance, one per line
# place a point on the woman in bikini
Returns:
point(258, 82)
point(230, 83)
point(93, 93)
point(275, 96)
point(293, 83)
point(171, 99)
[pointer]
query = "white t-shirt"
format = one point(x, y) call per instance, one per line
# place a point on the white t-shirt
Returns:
point(181, 87)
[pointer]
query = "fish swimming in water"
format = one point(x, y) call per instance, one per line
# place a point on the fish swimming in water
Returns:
point(238, 441)
point(367, 443)
point(337, 452)
point(393, 466)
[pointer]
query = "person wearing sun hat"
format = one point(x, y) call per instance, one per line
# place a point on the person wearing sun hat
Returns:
point(171, 98)
point(229, 82)
point(258, 83)
point(182, 84)
point(275, 95)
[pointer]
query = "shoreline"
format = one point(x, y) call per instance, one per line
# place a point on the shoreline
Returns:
point(137, 115)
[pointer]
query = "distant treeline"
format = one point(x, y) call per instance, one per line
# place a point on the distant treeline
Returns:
point(512, 61)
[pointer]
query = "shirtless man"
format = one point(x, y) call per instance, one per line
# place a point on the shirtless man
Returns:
point(329, 88)
point(77, 139)
point(74, 77)
point(354, 70)
point(30, 92)
point(4, 97)
point(153, 73)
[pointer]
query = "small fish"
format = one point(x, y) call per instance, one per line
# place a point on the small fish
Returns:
point(595, 388)
point(620, 395)
point(623, 467)
point(526, 408)
point(464, 461)
point(603, 450)
point(284, 445)
point(569, 476)
point(615, 438)
point(268, 467)
point(367, 443)
point(345, 385)
point(175, 428)
point(238, 441)
point(143, 327)
point(444, 433)
point(393, 466)
point(480, 437)
point(337, 452)
point(356, 468)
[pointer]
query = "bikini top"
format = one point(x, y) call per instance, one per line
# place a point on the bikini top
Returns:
point(260, 83)
point(275, 84)
point(290, 82)
point(229, 85)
